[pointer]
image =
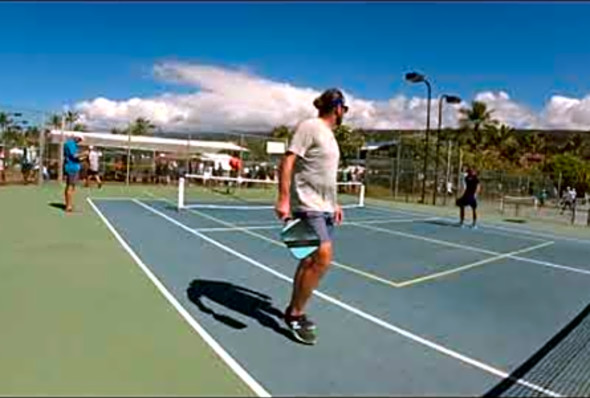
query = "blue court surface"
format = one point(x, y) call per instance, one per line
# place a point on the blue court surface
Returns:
point(413, 304)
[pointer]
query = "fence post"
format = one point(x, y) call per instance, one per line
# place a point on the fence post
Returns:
point(41, 152)
point(391, 176)
point(448, 175)
point(397, 167)
point(60, 166)
point(459, 175)
point(574, 213)
point(180, 203)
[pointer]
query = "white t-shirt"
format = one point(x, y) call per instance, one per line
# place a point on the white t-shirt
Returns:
point(93, 160)
point(316, 169)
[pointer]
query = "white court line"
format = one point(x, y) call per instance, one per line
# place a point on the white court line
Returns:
point(453, 222)
point(472, 265)
point(238, 227)
point(108, 198)
point(485, 226)
point(217, 348)
point(420, 340)
point(474, 249)
point(281, 244)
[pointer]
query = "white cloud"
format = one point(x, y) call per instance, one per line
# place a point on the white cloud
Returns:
point(570, 112)
point(507, 111)
point(226, 99)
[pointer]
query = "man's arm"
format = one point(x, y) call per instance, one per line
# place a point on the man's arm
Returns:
point(285, 175)
point(283, 207)
point(300, 143)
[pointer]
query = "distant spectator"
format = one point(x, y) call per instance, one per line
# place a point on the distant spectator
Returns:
point(27, 162)
point(235, 164)
point(93, 167)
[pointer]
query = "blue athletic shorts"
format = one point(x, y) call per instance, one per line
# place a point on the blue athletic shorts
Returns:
point(322, 223)
point(72, 178)
point(465, 201)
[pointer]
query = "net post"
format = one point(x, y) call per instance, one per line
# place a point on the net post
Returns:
point(180, 193)
point(362, 196)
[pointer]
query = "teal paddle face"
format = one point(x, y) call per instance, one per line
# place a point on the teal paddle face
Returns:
point(300, 238)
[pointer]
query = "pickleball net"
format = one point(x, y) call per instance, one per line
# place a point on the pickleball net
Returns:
point(237, 193)
point(561, 366)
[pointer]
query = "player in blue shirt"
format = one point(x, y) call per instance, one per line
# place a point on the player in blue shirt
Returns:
point(71, 169)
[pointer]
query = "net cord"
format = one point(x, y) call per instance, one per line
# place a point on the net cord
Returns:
point(181, 204)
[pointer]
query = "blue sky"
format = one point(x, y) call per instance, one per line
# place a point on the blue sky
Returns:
point(56, 53)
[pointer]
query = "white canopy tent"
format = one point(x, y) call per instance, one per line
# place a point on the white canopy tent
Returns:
point(148, 143)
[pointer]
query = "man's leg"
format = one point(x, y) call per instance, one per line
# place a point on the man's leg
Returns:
point(473, 204)
point(68, 197)
point(307, 277)
point(69, 193)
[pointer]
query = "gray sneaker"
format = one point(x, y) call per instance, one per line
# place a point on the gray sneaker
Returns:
point(302, 328)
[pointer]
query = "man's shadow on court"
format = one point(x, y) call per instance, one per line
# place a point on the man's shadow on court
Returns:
point(239, 299)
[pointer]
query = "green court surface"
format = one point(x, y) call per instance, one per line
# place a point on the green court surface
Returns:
point(129, 296)
point(80, 318)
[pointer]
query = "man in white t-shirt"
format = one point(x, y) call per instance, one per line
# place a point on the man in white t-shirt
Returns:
point(307, 189)
point(93, 167)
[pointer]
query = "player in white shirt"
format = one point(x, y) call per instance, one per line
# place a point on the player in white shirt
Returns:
point(93, 167)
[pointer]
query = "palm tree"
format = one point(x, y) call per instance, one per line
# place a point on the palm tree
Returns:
point(575, 144)
point(474, 122)
point(71, 118)
point(55, 121)
point(79, 127)
point(5, 120)
point(141, 126)
point(6, 127)
point(32, 134)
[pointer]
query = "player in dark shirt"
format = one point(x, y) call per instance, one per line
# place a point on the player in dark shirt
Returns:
point(469, 197)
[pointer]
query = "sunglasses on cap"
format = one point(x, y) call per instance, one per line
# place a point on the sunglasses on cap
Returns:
point(340, 101)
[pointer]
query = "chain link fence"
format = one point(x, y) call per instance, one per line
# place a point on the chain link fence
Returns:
point(395, 171)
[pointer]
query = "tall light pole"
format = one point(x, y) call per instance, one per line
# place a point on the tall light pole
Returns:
point(449, 99)
point(414, 77)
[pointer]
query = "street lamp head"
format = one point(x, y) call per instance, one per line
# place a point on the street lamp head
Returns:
point(452, 99)
point(414, 77)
